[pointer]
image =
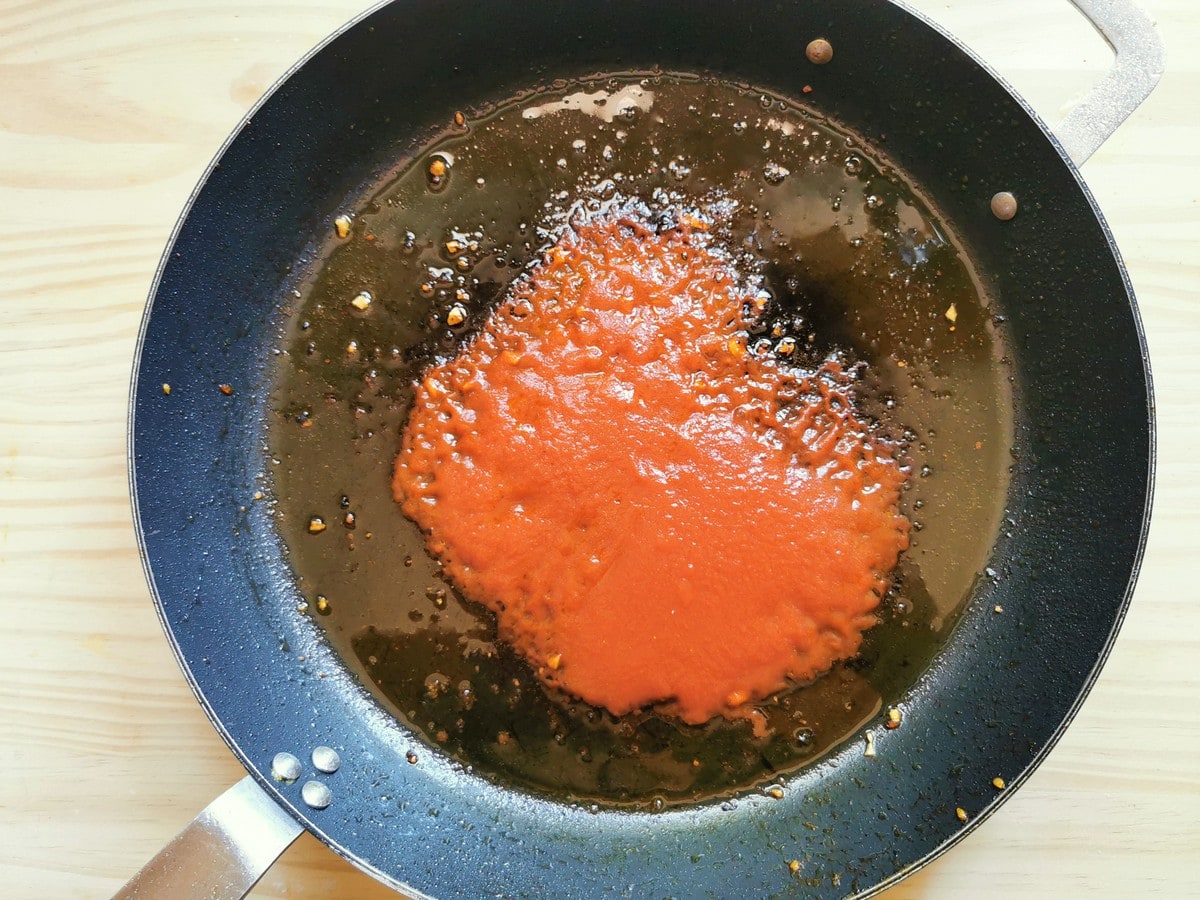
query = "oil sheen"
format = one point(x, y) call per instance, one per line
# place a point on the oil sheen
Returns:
point(852, 264)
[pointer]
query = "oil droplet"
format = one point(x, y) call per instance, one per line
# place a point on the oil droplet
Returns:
point(775, 173)
point(678, 170)
point(438, 173)
point(854, 165)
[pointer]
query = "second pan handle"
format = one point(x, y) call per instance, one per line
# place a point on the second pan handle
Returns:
point(1140, 57)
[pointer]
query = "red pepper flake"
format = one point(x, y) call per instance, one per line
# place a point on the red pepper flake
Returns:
point(225, 389)
point(807, 89)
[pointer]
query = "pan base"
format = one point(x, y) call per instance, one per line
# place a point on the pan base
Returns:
point(856, 256)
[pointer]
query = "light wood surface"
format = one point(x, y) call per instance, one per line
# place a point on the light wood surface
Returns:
point(109, 113)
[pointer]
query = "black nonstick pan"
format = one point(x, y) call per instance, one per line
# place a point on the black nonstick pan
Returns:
point(324, 754)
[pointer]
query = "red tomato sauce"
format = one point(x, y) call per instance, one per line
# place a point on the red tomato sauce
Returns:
point(656, 515)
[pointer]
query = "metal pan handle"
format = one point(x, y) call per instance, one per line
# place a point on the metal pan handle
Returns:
point(1140, 57)
point(222, 853)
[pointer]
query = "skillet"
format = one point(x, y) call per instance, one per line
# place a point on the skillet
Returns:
point(992, 704)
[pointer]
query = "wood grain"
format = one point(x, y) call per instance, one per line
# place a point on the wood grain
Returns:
point(109, 113)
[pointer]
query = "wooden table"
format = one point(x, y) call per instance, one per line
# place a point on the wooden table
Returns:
point(109, 113)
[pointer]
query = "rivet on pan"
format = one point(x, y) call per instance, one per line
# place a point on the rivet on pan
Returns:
point(326, 759)
point(285, 767)
point(819, 51)
point(1004, 206)
point(316, 795)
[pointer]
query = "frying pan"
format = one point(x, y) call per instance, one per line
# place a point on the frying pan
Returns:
point(996, 698)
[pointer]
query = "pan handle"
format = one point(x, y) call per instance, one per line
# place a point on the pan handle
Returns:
point(222, 853)
point(1140, 58)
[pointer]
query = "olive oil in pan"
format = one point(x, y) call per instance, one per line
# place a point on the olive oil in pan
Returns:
point(855, 263)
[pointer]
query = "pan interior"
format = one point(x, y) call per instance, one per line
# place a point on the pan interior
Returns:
point(856, 258)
